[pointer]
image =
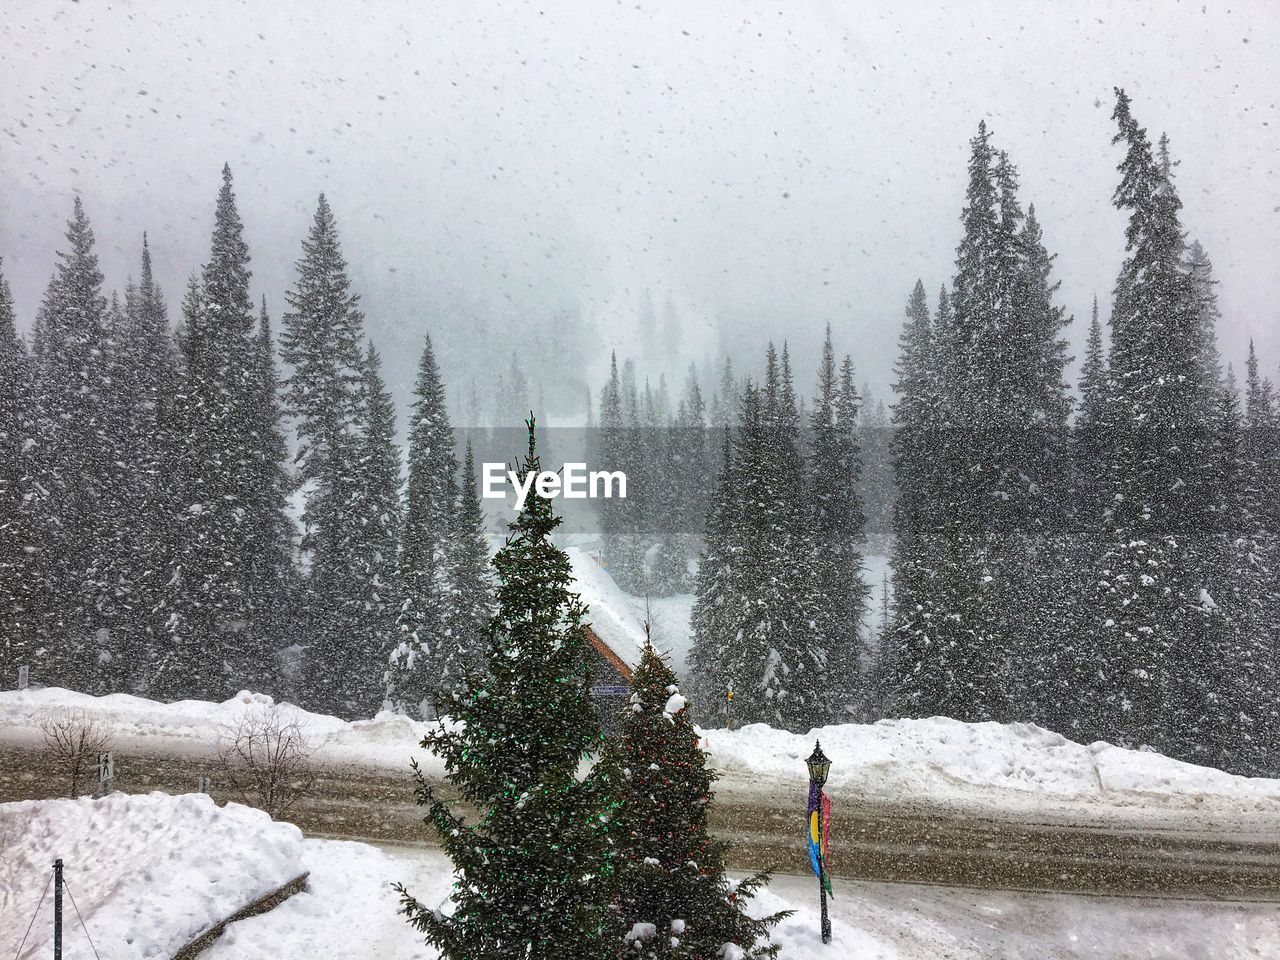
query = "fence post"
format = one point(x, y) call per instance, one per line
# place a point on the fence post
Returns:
point(57, 909)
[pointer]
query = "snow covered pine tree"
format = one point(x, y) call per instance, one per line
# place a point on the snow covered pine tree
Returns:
point(674, 900)
point(533, 873)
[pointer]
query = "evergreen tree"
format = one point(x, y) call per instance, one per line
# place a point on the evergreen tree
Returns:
point(532, 872)
point(18, 573)
point(838, 524)
point(272, 582)
point(1091, 424)
point(876, 485)
point(713, 619)
point(980, 504)
point(212, 597)
point(71, 465)
point(674, 899)
point(690, 483)
point(613, 452)
point(417, 663)
point(328, 394)
point(365, 603)
point(1148, 607)
point(1257, 543)
point(469, 607)
point(143, 366)
point(721, 412)
point(917, 670)
point(114, 575)
point(756, 605)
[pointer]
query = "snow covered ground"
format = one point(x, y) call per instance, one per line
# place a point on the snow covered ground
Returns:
point(349, 914)
point(992, 767)
point(148, 873)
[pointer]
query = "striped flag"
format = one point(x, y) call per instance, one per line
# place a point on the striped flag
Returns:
point(820, 834)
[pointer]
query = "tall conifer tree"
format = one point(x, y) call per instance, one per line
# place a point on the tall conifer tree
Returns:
point(532, 872)
point(418, 661)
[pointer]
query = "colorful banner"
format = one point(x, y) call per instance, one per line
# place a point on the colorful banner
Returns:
point(819, 834)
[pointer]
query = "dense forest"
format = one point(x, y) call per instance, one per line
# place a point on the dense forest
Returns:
point(193, 502)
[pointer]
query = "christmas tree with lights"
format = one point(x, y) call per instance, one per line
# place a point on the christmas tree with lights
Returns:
point(674, 900)
point(533, 867)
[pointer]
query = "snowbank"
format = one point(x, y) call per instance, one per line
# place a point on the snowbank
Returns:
point(998, 765)
point(148, 873)
point(940, 761)
point(349, 910)
point(195, 727)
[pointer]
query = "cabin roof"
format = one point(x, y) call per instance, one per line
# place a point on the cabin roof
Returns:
point(616, 630)
point(602, 648)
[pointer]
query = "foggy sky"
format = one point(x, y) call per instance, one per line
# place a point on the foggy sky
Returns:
point(771, 167)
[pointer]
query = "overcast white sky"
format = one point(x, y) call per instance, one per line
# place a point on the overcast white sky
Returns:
point(779, 166)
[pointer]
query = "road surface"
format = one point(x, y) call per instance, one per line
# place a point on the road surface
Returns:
point(872, 840)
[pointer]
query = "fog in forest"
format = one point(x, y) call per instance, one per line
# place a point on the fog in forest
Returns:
point(496, 168)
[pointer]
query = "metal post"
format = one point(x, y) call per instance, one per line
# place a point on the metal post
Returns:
point(822, 885)
point(57, 909)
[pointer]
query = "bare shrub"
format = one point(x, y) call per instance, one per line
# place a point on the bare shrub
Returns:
point(74, 739)
point(266, 758)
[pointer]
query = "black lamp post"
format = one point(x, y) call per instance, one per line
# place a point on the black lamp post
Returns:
point(819, 766)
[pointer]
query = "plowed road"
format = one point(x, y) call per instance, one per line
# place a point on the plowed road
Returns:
point(871, 840)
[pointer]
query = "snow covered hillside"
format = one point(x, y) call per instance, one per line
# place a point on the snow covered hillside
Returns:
point(148, 874)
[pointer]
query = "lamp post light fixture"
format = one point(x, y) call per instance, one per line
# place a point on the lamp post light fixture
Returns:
point(819, 766)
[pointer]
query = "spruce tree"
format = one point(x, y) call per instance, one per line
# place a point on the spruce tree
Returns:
point(1091, 424)
point(674, 899)
point(916, 660)
point(417, 661)
point(71, 464)
point(876, 486)
point(469, 606)
point(1257, 542)
point(691, 488)
point(981, 500)
point(756, 607)
point(348, 671)
point(838, 523)
point(328, 394)
point(272, 582)
point(713, 620)
point(213, 600)
point(140, 408)
point(532, 871)
point(18, 573)
point(613, 452)
point(1147, 607)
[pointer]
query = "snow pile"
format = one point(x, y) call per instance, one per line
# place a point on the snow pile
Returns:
point(195, 728)
point(944, 760)
point(1009, 766)
point(148, 873)
point(349, 910)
